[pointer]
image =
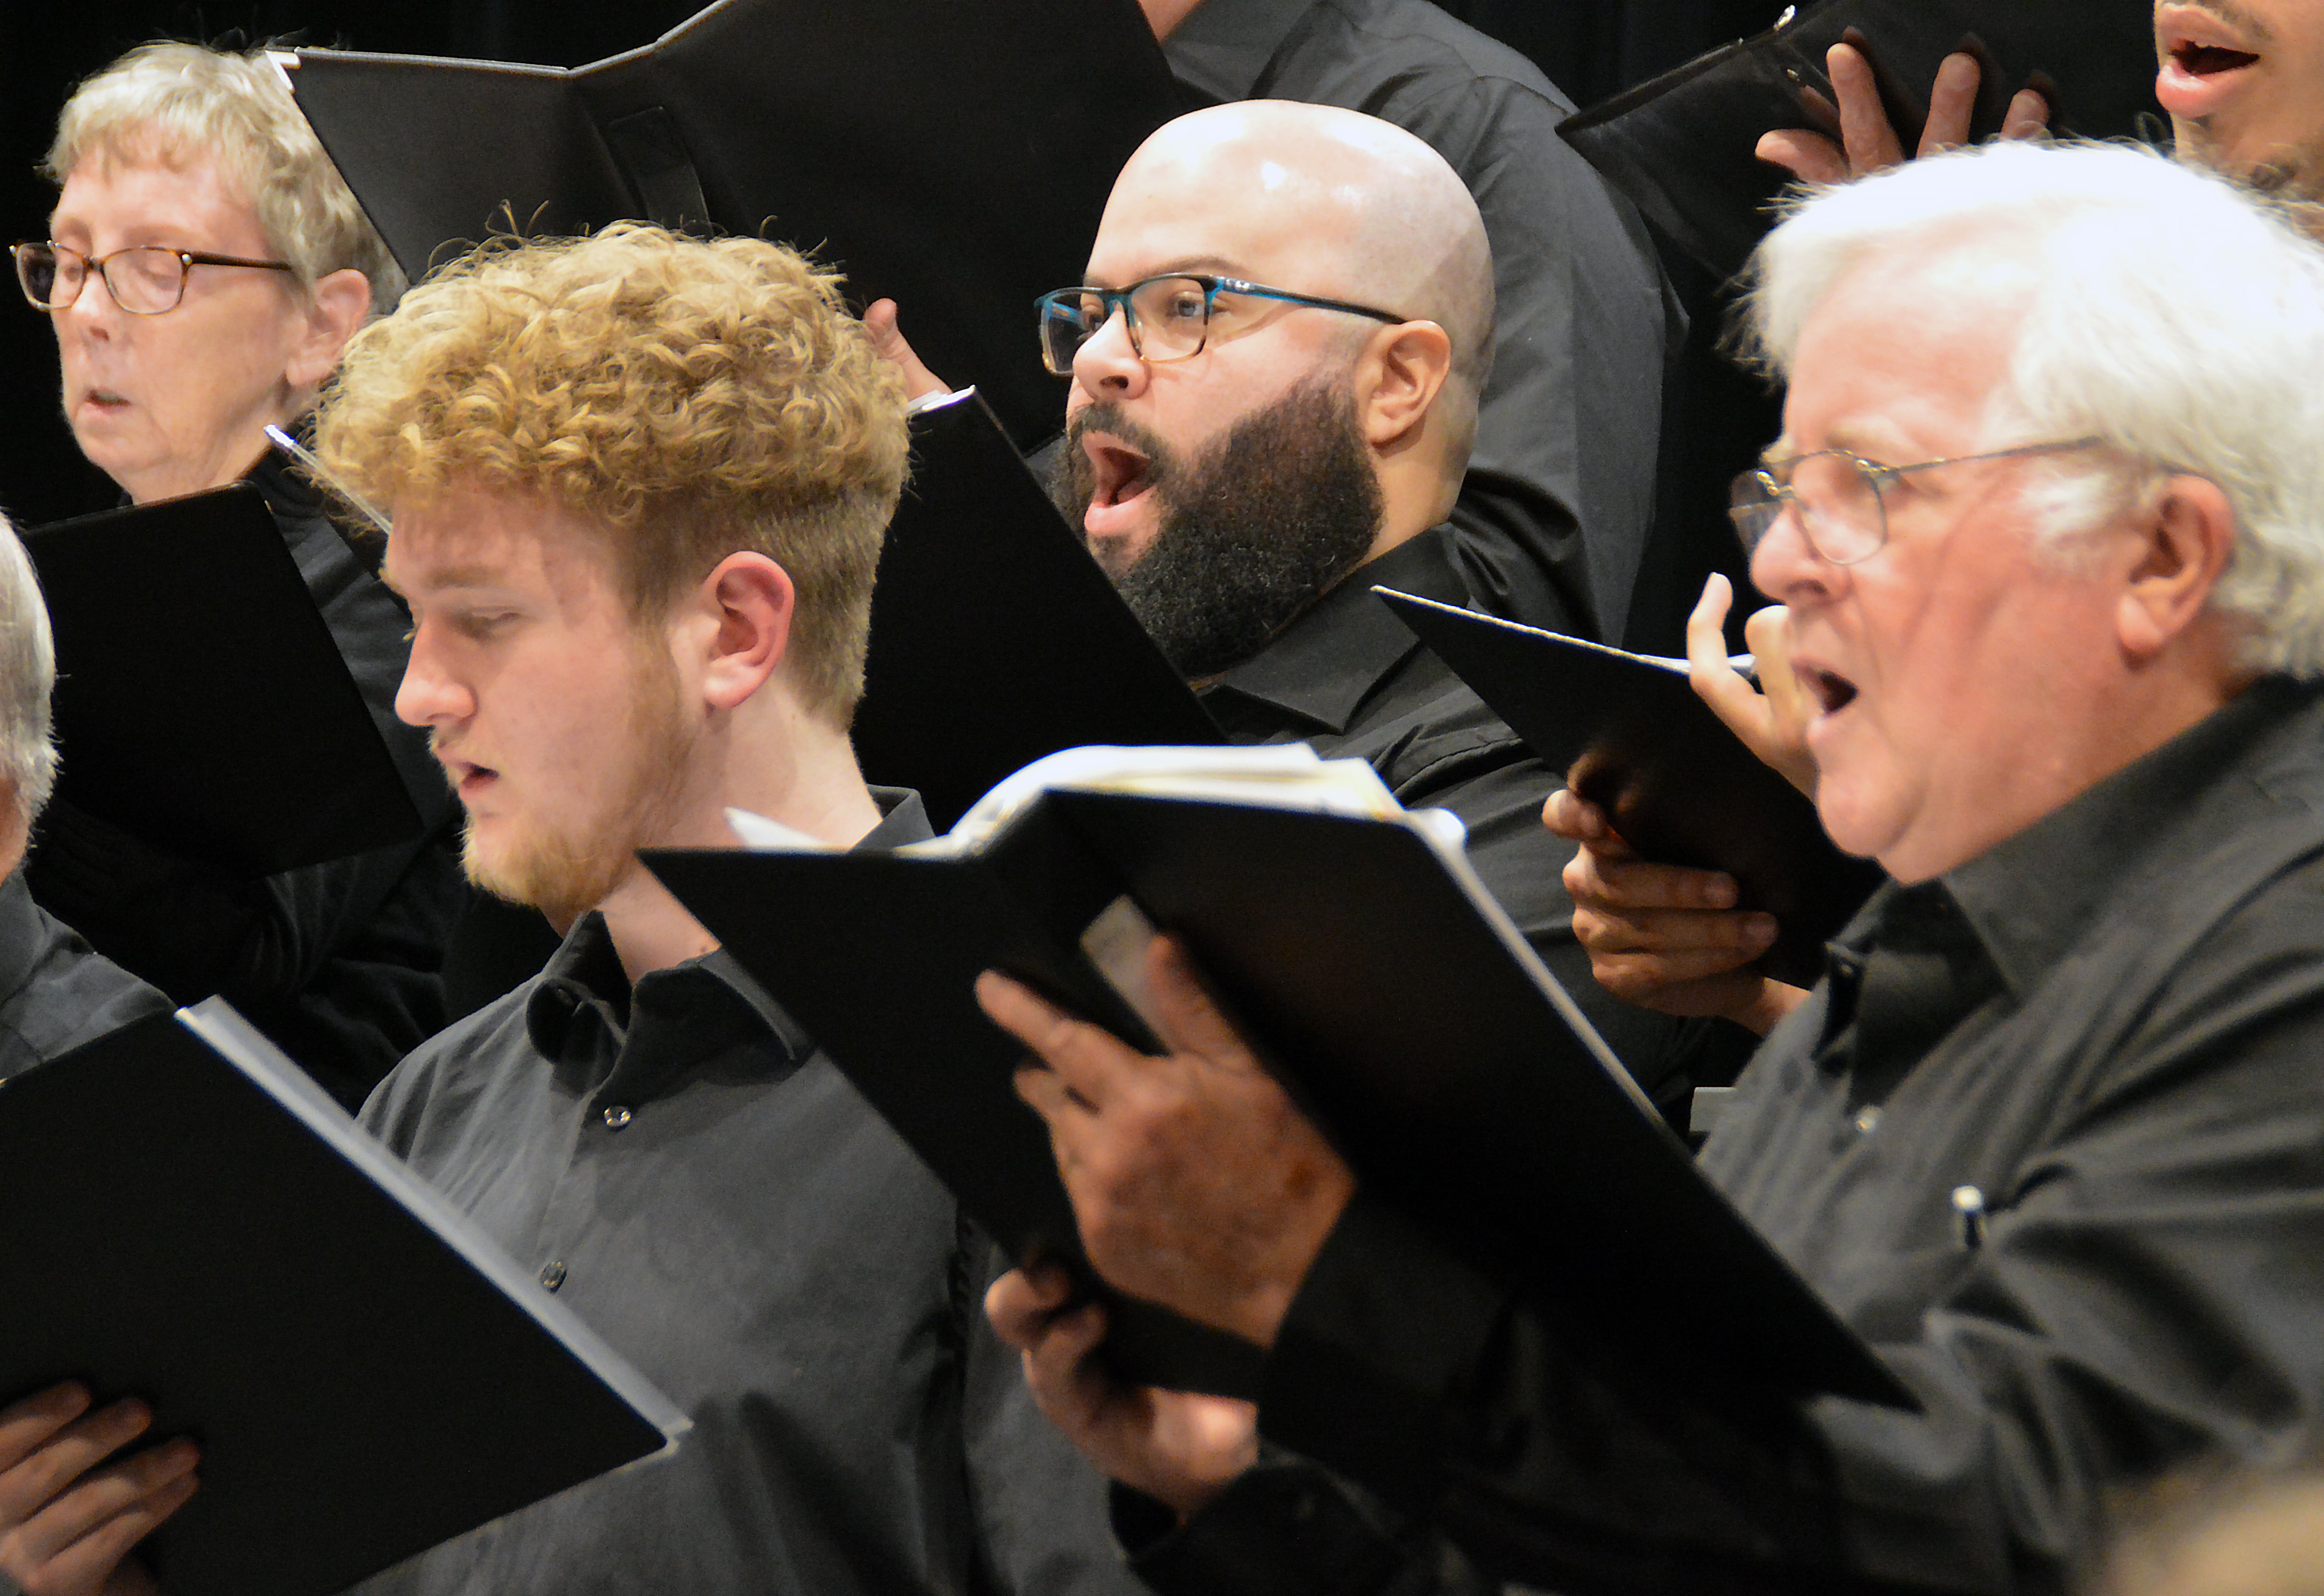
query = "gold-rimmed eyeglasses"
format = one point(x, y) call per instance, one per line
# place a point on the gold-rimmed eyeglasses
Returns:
point(145, 279)
point(1840, 496)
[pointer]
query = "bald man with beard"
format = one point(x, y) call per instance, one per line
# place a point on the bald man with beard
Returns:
point(1276, 355)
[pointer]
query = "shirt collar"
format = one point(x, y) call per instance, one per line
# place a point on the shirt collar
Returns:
point(2031, 895)
point(1326, 662)
point(23, 938)
point(709, 1000)
point(1223, 47)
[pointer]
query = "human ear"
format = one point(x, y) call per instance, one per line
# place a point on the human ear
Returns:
point(339, 305)
point(1403, 370)
point(750, 603)
point(2188, 530)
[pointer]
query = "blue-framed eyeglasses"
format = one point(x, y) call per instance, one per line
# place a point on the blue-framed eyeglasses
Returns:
point(1169, 317)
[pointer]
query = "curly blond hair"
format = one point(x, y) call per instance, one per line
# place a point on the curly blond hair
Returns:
point(167, 103)
point(691, 398)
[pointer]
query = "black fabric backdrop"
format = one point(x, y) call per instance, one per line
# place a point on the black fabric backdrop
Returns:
point(1590, 47)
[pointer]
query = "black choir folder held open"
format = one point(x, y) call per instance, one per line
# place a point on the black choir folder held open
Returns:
point(1634, 739)
point(1355, 945)
point(995, 638)
point(1680, 144)
point(192, 1223)
point(955, 156)
point(201, 702)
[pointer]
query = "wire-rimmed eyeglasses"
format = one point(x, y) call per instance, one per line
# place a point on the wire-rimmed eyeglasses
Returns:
point(145, 279)
point(1840, 496)
point(1169, 317)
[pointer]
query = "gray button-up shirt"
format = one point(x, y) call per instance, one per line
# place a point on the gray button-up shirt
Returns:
point(1559, 493)
point(713, 1199)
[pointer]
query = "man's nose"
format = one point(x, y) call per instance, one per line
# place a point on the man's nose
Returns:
point(429, 694)
point(1786, 566)
point(1107, 363)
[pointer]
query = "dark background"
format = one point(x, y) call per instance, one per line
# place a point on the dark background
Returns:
point(1590, 48)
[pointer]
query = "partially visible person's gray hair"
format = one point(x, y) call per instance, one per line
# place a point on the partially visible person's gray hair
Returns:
point(28, 673)
point(2176, 315)
point(166, 102)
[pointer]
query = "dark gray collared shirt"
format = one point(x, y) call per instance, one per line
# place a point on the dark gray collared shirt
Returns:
point(1560, 492)
point(1351, 681)
point(56, 992)
point(713, 1199)
point(2107, 1036)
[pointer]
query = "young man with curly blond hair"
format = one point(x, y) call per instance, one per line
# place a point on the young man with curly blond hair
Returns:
point(637, 485)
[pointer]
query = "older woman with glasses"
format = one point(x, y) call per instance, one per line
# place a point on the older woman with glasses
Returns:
point(205, 267)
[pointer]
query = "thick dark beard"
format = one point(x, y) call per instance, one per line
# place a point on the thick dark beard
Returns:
point(1253, 532)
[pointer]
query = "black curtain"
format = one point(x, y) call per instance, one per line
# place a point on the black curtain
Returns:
point(1590, 48)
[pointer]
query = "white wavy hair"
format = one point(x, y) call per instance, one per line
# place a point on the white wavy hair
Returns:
point(2178, 316)
point(167, 101)
point(28, 673)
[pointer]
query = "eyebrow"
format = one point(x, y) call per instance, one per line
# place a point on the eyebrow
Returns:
point(457, 576)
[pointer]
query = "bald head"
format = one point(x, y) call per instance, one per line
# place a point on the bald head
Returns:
point(1328, 202)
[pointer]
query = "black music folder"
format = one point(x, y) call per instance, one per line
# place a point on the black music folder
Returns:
point(995, 638)
point(954, 156)
point(1367, 962)
point(191, 1221)
point(1634, 739)
point(201, 702)
point(1680, 145)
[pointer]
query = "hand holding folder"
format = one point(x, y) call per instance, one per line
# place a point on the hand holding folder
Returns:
point(1405, 1016)
point(192, 1223)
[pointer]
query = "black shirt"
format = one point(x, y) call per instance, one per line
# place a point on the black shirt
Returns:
point(2107, 1036)
point(1349, 679)
point(340, 962)
point(1559, 491)
point(55, 992)
point(713, 1199)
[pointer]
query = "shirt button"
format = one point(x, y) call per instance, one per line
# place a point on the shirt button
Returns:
point(1867, 1120)
point(616, 1117)
point(552, 1275)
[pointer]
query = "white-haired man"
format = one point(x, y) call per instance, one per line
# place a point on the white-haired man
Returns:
point(2049, 514)
point(2243, 81)
point(205, 267)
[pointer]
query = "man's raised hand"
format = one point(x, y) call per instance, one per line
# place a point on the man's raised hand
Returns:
point(1868, 144)
point(1771, 719)
point(66, 1525)
point(880, 321)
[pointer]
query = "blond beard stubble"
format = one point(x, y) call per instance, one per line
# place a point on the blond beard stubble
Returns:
point(565, 874)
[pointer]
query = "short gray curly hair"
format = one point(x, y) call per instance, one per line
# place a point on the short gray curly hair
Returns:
point(166, 101)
